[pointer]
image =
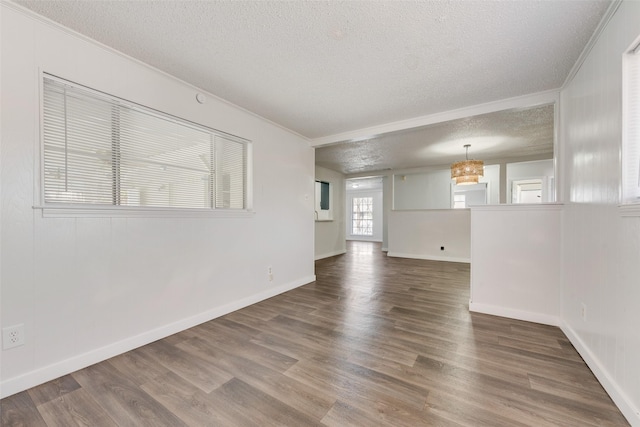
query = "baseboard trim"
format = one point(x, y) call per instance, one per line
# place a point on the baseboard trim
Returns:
point(41, 375)
point(327, 255)
point(622, 401)
point(528, 316)
point(429, 257)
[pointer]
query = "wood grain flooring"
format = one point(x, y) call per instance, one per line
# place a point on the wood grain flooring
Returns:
point(374, 341)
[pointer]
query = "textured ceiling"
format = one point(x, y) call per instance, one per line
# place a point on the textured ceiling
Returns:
point(503, 135)
point(323, 68)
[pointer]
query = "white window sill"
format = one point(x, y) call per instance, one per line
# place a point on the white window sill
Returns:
point(71, 211)
point(631, 209)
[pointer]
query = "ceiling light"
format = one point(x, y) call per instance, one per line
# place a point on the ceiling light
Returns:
point(467, 172)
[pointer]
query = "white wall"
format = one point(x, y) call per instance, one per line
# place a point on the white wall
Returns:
point(600, 247)
point(378, 214)
point(387, 203)
point(535, 169)
point(330, 237)
point(427, 190)
point(420, 234)
point(87, 288)
point(492, 178)
point(431, 189)
point(515, 269)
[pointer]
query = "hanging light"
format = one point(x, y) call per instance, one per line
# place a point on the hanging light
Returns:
point(467, 171)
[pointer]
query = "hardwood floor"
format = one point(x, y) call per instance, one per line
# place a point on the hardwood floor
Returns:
point(375, 341)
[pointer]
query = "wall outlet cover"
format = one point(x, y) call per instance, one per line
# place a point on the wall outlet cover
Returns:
point(12, 336)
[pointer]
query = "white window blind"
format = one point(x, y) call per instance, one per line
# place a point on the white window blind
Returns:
point(631, 140)
point(101, 150)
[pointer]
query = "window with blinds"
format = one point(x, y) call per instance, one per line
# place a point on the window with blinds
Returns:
point(102, 150)
point(631, 139)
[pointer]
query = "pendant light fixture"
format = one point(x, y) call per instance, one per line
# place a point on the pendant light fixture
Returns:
point(467, 171)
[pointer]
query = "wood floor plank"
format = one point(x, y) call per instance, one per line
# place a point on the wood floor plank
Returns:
point(265, 409)
point(138, 366)
point(265, 379)
point(206, 376)
point(53, 389)
point(374, 341)
point(20, 411)
point(77, 408)
point(184, 400)
point(122, 399)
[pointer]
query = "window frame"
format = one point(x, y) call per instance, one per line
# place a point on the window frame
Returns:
point(629, 206)
point(67, 210)
point(353, 212)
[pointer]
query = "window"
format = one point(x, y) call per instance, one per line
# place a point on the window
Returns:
point(323, 205)
point(631, 139)
point(362, 216)
point(324, 196)
point(102, 150)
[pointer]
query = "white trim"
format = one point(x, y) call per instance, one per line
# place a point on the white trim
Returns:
point(25, 381)
point(527, 316)
point(429, 257)
point(96, 211)
point(330, 254)
point(622, 401)
point(530, 100)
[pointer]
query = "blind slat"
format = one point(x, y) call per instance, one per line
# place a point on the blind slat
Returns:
point(103, 150)
point(631, 142)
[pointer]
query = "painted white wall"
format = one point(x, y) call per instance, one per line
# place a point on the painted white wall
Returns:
point(420, 234)
point(330, 237)
point(515, 269)
point(378, 214)
point(535, 169)
point(492, 178)
point(387, 203)
point(88, 288)
point(426, 190)
point(431, 189)
point(600, 247)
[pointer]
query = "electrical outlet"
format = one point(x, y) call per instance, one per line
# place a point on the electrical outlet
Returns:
point(583, 312)
point(12, 336)
point(270, 273)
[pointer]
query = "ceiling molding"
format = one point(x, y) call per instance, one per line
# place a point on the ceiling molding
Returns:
point(525, 101)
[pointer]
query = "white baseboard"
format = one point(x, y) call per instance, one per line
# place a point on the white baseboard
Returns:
point(330, 254)
point(622, 401)
point(429, 257)
point(528, 316)
point(67, 366)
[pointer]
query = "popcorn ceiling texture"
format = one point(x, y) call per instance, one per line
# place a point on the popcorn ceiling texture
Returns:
point(321, 68)
point(503, 135)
